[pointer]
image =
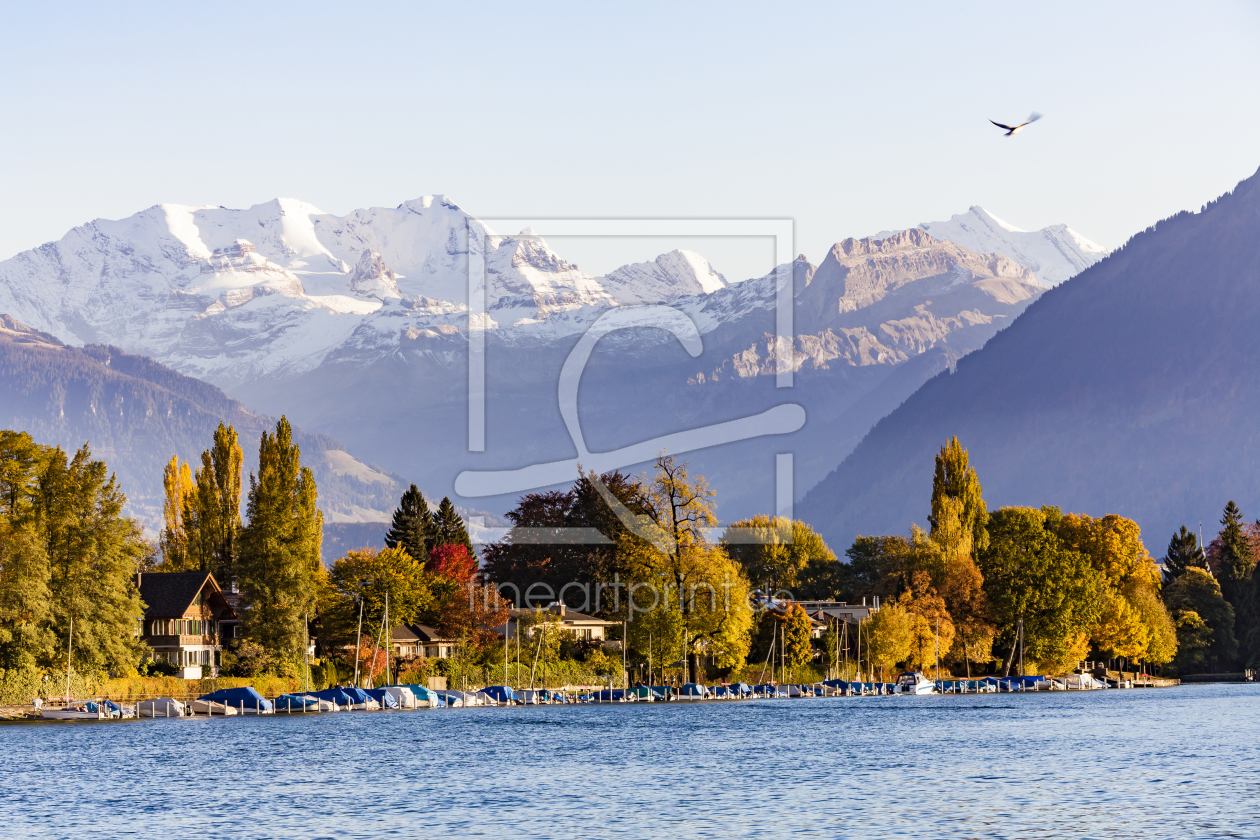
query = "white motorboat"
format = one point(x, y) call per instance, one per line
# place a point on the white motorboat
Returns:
point(913, 682)
point(75, 710)
point(160, 707)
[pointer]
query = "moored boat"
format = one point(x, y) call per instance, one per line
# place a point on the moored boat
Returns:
point(75, 710)
point(211, 707)
point(160, 707)
point(913, 682)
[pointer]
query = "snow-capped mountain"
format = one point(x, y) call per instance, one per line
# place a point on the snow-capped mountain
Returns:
point(670, 276)
point(1053, 254)
point(358, 326)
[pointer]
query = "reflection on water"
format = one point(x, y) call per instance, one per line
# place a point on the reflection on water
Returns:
point(1154, 763)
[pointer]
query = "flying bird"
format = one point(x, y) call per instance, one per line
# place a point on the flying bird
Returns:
point(1011, 129)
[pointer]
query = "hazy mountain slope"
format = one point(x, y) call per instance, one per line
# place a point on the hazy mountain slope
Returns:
point(1053, 253)
point(409, 408)
point(1133, 388)
point(136, 414)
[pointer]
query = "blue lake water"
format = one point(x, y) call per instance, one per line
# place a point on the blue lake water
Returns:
point(1177, 762)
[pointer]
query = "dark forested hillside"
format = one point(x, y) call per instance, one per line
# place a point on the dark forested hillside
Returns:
point(137, 413)
point(1133, 388)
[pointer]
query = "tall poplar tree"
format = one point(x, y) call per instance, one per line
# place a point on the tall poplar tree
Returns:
point(278, 567)
point(177, 481)
point(218, 501)
point(954, 478)
point(203, 510)
point(413, 526)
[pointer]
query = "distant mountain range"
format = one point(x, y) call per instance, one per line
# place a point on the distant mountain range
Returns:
point(358, 327)
point(1133, 388)
point(1053, 254)
point(136, 414)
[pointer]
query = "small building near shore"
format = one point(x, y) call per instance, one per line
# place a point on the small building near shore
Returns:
point(413, 641)
point(185, 617)
point(583, 627)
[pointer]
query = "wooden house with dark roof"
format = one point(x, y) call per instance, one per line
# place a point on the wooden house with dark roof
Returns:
point(413, 641)
point(187, 620)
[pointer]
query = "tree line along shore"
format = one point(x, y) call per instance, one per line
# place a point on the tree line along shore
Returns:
point(979, 592)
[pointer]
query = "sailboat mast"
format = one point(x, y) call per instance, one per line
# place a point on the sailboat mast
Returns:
point(69, 647)
point(358, 637)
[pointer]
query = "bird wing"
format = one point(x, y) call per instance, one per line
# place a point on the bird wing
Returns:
point(1033, 117)
point(999, 125)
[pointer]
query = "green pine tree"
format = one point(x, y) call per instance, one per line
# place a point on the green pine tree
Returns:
point(448, 527)
point(1234, 561)
point(26, 637)
point(413, 526)
point(93, 553)
point(1184, 552)
point(66, 551)
point(955, 478)
point(279, 567)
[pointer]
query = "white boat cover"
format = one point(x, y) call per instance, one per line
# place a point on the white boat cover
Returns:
point(160, 707)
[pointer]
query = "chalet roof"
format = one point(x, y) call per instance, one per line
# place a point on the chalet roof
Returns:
point(416, 633)
point(569, 617)
point(170, 594)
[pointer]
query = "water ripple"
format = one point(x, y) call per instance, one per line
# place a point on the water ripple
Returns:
point(1155, 763)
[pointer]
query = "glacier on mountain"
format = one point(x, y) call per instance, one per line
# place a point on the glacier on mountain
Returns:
point(1054, 254)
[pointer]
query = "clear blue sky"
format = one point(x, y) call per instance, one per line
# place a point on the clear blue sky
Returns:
point(850, 119)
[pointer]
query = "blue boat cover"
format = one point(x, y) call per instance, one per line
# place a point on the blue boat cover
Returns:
point(644, 692)
point(296, 701)
point(380, 695)
point(614, 696)
point(499, 693)
point(334, 695)
point(741, 688)
point(357, 695)
point(693, 690)
point(244, 696)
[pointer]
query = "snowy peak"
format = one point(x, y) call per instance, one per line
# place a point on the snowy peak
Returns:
point(373, 278)
point(1054, 254)
point(668, 277)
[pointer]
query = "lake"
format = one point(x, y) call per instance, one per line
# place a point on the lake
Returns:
point(1178, 762)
